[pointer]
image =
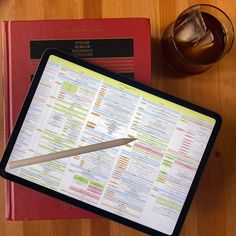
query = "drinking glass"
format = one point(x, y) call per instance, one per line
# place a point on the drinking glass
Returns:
point(198, 38)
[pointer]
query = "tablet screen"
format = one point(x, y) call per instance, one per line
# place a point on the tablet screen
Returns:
point(146, 181)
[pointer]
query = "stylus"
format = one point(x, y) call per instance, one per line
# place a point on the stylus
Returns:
point(70, 152)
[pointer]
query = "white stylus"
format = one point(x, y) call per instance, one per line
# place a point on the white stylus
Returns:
point(70, 152)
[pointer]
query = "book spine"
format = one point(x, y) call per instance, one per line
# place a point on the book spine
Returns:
point(5, 79)
point(5, 63)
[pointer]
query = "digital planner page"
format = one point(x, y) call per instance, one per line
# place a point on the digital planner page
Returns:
point(146, 181)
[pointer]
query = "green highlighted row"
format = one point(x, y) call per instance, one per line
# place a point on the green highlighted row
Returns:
point(72, 104)
point(86, 181)
point(57, 142)
point(68, 87)
point(168, 204)
point(58, 137)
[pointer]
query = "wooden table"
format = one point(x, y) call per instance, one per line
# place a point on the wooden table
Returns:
point(213, 211)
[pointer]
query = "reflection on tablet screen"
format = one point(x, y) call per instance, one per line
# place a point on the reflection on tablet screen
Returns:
point(146, 181)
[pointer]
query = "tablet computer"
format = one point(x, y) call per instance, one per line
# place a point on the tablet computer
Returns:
point(147, 184)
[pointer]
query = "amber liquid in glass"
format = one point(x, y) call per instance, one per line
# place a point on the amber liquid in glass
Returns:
point(196, 56)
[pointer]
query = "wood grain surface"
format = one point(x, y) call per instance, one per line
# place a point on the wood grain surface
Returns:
point(213, 211)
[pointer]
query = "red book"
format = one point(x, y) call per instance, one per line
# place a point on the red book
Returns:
point(119, 45)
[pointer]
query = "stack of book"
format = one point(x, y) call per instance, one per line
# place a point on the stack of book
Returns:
point(119, 45)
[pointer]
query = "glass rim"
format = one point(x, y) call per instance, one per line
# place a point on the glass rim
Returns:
point(216, 8)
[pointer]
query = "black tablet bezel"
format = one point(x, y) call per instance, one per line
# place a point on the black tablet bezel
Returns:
point(135, 84)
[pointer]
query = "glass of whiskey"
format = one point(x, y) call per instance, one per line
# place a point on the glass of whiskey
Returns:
point(199, 37)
